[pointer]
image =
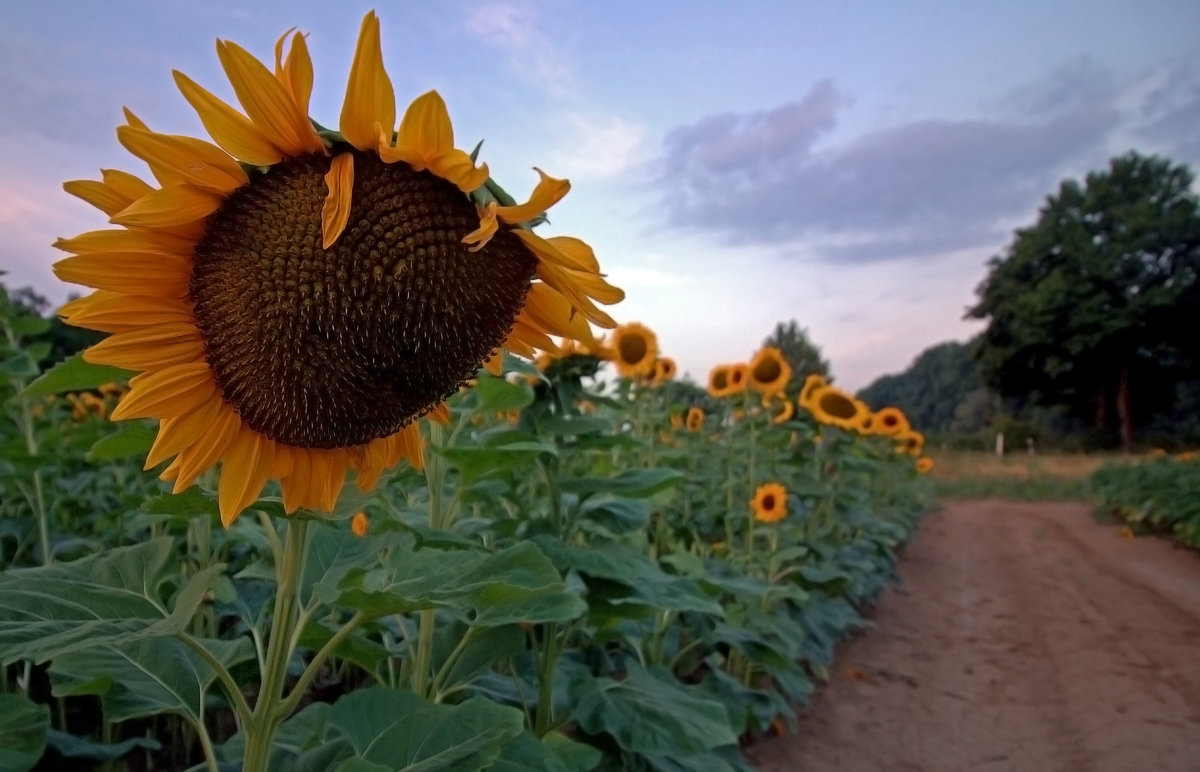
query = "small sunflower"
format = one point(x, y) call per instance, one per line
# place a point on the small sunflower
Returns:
point(891, 421)
point(718, 381)
point(695, 419)
point(769, 371)
point(676, 420)
point(924, 464)
point(359, 524)
point(835, 407)
point(294, 297)
point(664, 370)
point(787, 410)
point(739, 378)
point(635, 349)
point(866, 422)
point(769, 503)
point(811, 384)
point(911, 442)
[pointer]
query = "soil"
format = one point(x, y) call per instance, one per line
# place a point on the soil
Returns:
point(1023, 636)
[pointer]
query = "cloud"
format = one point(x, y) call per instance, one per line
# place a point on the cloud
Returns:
point(930, 185)
point(600, 145)
point(513, 28)
point(1171, 114)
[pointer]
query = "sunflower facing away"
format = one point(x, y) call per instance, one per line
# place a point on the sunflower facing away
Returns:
point(635, 350)
point(296, 297)
point(769, 503)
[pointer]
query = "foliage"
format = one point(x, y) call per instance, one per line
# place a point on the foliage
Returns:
point(939, 391)
point(1157, 495)
point(798, 349)
point(1095, 305)
point(573, 582)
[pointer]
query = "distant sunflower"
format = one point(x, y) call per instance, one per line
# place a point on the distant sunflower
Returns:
point(769, 371)
point(635, 349)
point(676, 420)
point(910, 442)
point(296, 297)
point(769, 503)
point(739, 377)
point(718, 381)
point(924, 464)
point(664, 370)
point(811, 384)
point(835, 407)
point(891, 421)
point(787, 410)
point(359, 524)
point(866, 422)
point(695, 419)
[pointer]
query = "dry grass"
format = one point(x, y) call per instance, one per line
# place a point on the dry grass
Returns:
point(973, 474)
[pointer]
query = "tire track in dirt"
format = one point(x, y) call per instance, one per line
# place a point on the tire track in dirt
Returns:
point(1024, 637)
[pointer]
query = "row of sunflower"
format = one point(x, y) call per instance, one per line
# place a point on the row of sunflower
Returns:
point(410, 518)
point(1155, 495)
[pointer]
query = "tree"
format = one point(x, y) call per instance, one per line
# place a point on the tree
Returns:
point(1096, 306)
point(798, 349)
point(931, 389)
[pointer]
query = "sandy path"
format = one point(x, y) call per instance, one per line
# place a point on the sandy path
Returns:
point(1024, 637)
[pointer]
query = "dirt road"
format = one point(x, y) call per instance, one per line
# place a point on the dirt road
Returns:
point(1025, 636)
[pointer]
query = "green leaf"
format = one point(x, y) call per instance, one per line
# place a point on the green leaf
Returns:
point(634, 484)
point(20, 365)
point(617, 516)
point(332, 553)
point(498, 394)
point(486, 647)
point(525, 753)
point(147, 677)
point(649, 714)
point(103, 599)
point(132, 439)
point(70, 746)
point(74, 374)
point(23, 726)
point(29, 326)
point(404, 732)
point(576, 756)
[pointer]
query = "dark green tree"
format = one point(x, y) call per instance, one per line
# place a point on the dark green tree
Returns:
point(1097, 305)
point(931, 389)
point(798, 349)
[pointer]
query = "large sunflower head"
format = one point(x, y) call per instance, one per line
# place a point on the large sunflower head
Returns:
point(294, 297)
point(835, 407)
point(769, 371)
point(769, 503)
point(891, 421)
point(718, 381)
point(635, 350)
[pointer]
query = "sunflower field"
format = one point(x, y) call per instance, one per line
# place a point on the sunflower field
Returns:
point(411, 512)
point(1157, 495)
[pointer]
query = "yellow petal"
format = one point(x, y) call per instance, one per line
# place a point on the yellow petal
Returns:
point(576, 252)
point(234, 132)
point(98, 195)
point(339, 181)
point(154, 347)
point(128, 274)
point(549, 310)
point(122, 240)
point(440, 413)
point(297, 485)
point(167, 393)
point(457, 167)
point(176, 205)
point(495, 364)
point(296, 71)
point(267, 102)
point(488, 226)
point(175, 434)
point(244, 472)
point(194, 161)
point(548, 192)
point(531, 336)
point(113, 312)
point(369, 96)
point(425, 128)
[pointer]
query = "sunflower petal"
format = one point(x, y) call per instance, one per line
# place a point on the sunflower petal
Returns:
point(208, 448)
point(153, 347)
point(267, 102)
point(495, 364)
point(425, 129)
point(128, 274)
point(457, 167)
point(244, 472)
point(175, 205)
point(175, 434)
point(546, 308)
point(194, 161)
point(122, 240)
point(98, 195)
point(479, 238)
point(548, 192)
point(335, 212)
point(369, 96)
point(235, 133)
point(167, 393)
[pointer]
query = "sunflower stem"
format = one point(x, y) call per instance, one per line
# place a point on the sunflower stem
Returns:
point(260, 730)
point(435, 478)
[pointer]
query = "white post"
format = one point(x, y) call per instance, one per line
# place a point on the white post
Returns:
point(1000, 444)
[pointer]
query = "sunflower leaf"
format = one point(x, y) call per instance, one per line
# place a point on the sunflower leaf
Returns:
point(73, 374)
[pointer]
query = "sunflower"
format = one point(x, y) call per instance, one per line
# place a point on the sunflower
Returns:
point(635, 349)
point(695, 419)
point(924, 464)
point(739, 377)
point(769, 503)
point(296, 297)
point(811, 384)
point(769, 371)
point(359, 524)
point(785, 414)
point(676, 420)
point(664, 370)
point(866, 422)
point(835, 407)
point(911, 442)
point(891, 421)
point(718, 381)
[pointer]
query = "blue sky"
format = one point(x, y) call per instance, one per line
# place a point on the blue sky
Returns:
point(849, 165)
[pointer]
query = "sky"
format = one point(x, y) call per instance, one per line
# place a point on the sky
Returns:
point(852, 166)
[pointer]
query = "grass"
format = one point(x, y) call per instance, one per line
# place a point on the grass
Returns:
point(1022, 476)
